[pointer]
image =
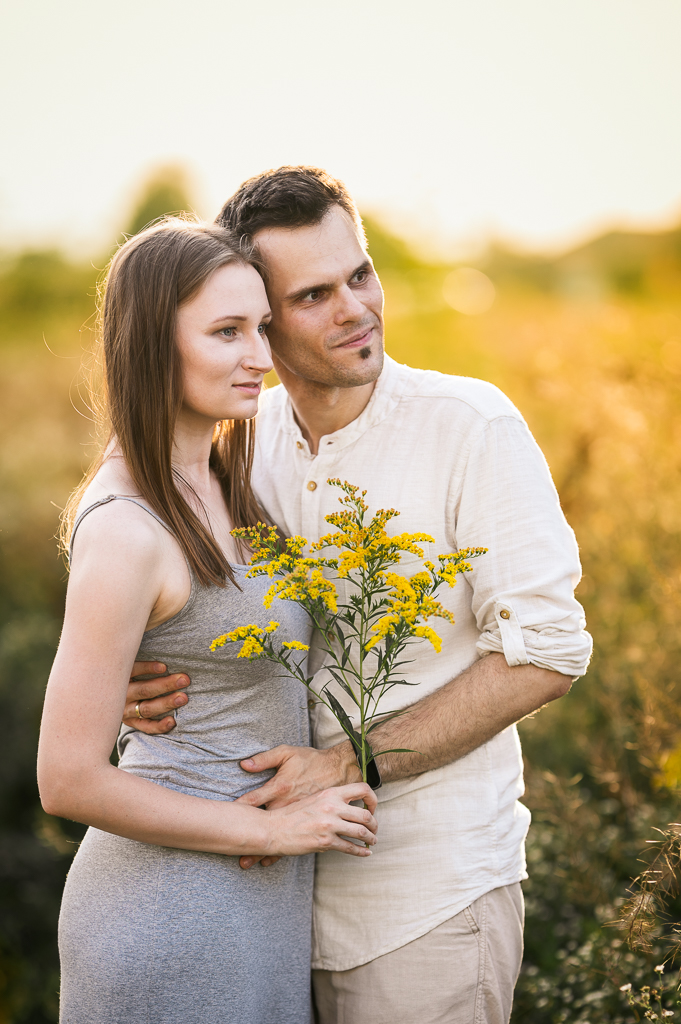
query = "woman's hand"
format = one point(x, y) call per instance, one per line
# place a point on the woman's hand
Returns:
point(319, 823)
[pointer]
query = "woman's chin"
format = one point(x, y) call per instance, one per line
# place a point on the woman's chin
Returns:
point(243, 410)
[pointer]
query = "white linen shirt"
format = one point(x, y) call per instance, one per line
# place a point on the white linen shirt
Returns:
point(456, 458)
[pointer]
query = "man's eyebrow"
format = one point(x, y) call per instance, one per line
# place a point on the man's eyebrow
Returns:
point(325, 287)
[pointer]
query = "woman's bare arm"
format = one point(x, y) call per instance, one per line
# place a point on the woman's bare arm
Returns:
point(116, 581)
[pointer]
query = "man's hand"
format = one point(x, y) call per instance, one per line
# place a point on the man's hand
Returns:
point(301, 771)
point(156, 697)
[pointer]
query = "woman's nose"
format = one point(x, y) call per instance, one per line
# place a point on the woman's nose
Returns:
point(259, 356)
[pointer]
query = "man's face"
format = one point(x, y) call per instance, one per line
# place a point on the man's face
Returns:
point(327, 303)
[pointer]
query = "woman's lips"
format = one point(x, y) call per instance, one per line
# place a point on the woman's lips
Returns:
point(249, 389)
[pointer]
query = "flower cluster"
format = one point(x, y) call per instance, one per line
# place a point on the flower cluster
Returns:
point(410, 603)
point(254, 638)
point(301, 579)
point(451, 565)
point(365, 546)
point(384, 610)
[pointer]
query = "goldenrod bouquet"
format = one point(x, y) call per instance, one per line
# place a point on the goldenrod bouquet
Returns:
point(365, 636)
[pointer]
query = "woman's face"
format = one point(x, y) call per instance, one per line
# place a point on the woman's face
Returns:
point(223, 348)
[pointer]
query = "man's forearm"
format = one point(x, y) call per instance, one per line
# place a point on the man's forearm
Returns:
point(441, 728)
point(464, 714)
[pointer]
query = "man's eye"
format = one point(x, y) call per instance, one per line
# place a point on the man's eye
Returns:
point(361, 276)
point(313, 296)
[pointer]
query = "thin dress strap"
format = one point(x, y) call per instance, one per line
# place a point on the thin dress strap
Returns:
point(105, 501)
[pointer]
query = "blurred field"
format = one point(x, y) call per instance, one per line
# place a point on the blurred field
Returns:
point(589, 347)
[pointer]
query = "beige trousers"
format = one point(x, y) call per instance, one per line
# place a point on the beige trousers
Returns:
point(462, 972)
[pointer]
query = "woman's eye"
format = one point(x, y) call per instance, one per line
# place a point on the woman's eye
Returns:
point(227, 332)
point(262, 329)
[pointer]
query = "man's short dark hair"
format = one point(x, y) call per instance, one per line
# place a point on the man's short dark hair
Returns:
point(288, 197)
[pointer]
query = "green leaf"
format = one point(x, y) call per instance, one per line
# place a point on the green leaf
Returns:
point(336, 675)
point(387, 718)
point(397, 750)
point(342, 716)
point(348, 689)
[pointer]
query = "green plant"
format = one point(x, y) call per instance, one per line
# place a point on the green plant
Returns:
point(364, 637)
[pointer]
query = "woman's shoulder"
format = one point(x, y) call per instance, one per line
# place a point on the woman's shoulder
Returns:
point(112, 478)
point(111, 512)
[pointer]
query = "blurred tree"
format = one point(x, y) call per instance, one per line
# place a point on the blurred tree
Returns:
point(167, 190)
point(41, 290)
point(388, 252)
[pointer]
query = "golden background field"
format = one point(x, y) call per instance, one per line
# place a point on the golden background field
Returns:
point(588, 345)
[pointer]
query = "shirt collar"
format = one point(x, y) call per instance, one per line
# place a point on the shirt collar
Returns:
point(384, 398)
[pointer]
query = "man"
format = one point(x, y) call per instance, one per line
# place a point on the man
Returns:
point(430, 929)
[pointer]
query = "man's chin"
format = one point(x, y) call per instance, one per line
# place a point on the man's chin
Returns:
point(350, 369)
point(364, 368)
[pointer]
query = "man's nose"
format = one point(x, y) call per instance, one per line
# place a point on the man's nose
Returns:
point(349, 306)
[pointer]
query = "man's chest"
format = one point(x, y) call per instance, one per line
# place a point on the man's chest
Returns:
point(411, 471)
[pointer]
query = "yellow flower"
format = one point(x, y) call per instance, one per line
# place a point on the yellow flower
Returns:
point(404, 604)
point(219, 641)
point(240, 633)
point(304, 583)
point(409, 542)
point(429, 634)
point(350, 560)
point(251, 648)
point(400, 584)
point(295, 645)
point(252, 636)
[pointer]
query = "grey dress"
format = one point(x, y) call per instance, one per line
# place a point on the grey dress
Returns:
point(154, 935)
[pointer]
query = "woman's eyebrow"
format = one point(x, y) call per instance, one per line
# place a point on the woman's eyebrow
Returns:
point(228, 316)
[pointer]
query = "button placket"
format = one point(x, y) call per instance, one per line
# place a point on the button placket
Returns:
point(314, 486)
point(310, 504)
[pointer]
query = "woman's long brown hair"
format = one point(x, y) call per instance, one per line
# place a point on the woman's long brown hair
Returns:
point(149, 278)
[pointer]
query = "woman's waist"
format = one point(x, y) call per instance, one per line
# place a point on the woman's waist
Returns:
point(226, 781)
point(208, 764)
point(205, 740)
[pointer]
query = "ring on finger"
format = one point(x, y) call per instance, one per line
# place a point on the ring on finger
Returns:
point(137, 709)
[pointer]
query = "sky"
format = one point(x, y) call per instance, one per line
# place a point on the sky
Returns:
point(535, 121)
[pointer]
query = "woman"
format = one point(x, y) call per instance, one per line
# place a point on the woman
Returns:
point(158, 923)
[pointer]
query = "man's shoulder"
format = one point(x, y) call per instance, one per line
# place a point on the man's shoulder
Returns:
point(483, 398)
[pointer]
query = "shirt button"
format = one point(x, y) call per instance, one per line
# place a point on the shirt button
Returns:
point(312, 486)
point(299, 444)
point(310, 704)
point(505, 614)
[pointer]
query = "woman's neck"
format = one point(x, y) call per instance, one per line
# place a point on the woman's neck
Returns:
point(191, 454)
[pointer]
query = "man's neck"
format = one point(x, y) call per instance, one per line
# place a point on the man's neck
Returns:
point(321, 409)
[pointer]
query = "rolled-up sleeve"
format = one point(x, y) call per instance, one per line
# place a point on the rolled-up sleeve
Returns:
point(523, 588)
